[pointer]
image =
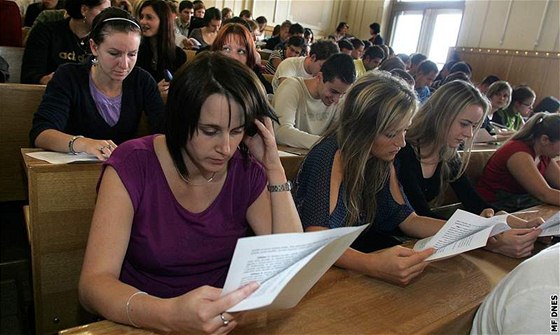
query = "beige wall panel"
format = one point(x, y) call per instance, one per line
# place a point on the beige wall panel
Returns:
point(483, 24)
point(362, 14)
point(523, 24)
point(474, 18)
point(266, 9)
point(550, 36)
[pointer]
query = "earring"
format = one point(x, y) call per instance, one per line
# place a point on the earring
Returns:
point(94, 61)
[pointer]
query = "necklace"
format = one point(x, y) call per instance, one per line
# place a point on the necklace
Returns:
point(188, 181)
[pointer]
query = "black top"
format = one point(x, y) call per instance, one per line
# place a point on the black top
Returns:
point(420, 191)
point(272, 42)
point(35, 9)
point(378, 40)
point(48, 46)
point(68, 106)
point(145, 61)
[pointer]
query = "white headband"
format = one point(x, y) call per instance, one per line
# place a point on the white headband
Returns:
point(122, 19)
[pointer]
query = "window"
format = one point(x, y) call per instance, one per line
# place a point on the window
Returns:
point(429, 27)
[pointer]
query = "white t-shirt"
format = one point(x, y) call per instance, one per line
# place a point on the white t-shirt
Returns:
point(522, 301)
point(289, 67)
point(302, 118)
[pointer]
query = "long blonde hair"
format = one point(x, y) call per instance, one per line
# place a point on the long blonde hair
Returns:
point(375, 103)
point(431, 125)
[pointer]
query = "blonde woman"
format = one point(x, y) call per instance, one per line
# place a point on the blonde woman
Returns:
point(349, 178)
point(430, 161)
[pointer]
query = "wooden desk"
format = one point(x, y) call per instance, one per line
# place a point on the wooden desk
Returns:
point(443, 300)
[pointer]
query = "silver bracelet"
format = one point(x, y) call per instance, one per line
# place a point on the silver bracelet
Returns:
point(71, 144)
point(287, 186)
point(128, 307)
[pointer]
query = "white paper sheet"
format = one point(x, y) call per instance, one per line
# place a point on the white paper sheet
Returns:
point(463, 231)
point(551, 227)
point(285, 265)
point(62, 158)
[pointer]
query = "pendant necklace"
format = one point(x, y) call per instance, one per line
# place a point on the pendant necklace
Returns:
point(188, 181)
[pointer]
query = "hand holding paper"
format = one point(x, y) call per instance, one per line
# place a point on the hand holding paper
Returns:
point(464, 231)
point(285, 265)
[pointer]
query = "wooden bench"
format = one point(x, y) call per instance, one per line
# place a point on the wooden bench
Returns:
point(14, 56)
point(18, 104)
point(61, 202)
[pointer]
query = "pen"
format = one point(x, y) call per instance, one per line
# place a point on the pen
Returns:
point(526, 212)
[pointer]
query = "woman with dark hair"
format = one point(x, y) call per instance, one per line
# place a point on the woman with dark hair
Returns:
point(171, 207)
point(158, 51)
point(207, 34)
point(374, 30)
point(548, 104)
point(521, 173)
point(341, 31)
point(234, 40)
point(52, 44)
point(93, 106)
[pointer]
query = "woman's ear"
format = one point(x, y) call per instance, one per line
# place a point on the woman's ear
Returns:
point(93, 47)
point(544, 139)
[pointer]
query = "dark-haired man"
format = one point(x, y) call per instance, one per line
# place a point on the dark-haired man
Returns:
point(305, 67)
point(306, 107)
point(373, 56)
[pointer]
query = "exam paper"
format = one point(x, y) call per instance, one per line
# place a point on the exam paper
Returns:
point(62, 158)
point(551, 227)
point(285, 265)
point(463, 231)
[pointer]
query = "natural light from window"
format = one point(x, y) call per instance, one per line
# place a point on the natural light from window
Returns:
point(407, 32)
point(444, 36)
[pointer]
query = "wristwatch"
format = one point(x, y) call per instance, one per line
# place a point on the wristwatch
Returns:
point(287, 186)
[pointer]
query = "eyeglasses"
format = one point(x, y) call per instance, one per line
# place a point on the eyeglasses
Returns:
point(528, 105)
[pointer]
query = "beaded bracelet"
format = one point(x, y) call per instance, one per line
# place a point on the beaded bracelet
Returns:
point(128, 306)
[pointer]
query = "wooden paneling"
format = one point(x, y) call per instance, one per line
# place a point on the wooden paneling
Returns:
point(18, 103)
point(537, 69)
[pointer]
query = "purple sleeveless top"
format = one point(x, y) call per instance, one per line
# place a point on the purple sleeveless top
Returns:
point(171, 250)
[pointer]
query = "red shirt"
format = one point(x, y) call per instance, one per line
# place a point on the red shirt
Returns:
point(496, 176)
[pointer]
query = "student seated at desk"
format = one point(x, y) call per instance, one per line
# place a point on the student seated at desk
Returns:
point(499, 94)
point(521, 173)
point(430, 161)
point(519, 109)
point(171, 207)
point(53, 43)
point(349, 178)
point(92, 107)
point(307, 107)
point(158, 52)
point(305, 67)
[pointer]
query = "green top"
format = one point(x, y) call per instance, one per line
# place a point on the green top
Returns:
point(510, 118)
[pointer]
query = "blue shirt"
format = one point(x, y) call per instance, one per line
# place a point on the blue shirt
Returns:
point(312, 192)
